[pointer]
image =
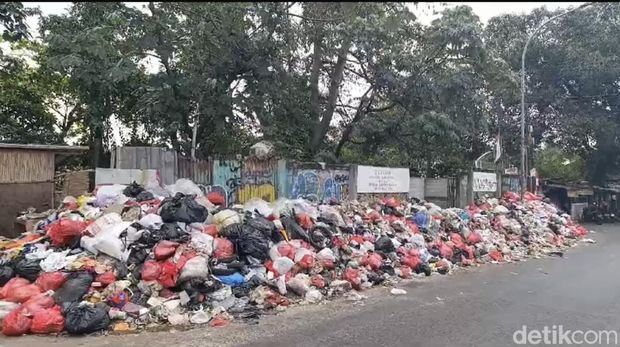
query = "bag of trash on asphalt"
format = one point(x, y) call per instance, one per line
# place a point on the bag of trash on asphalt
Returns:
point(85, 318)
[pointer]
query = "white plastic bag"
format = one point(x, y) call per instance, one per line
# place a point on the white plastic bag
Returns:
point(326, 254)
point(201, 242)
point(226, 218)
point(6, 307)
point(185, 186)
point(196, 267)
point(151, 220)
point(259, 205)
point(57, 261)
point(283, 265)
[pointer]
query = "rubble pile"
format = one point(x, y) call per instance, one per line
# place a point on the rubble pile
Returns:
point(128, 258)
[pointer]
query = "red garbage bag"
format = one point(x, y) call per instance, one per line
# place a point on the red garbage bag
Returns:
point(496, 255)
point(405, 272)
point(410, 261)
point(306, 262)
point(304, 220)
point(106, 278)
point(532, 197)
point(318, 281)
point(373, 260)
point(445, 251)
point(37, 303)
point(352, 276)
point(414, 252)
point(22, 294)
point(50, 280)
point(357, 239)
point(48, 321)
point(287, 250)
point(64, 231)
point(457, 239)
point(16, 323)
point(216, 198)
point(165, 249)
point(373, 216)
point(391, 202)
point(210, 229)
point(168, 275)
point(12, 285)
point(151, 270)
point(224, 248)
point(328, 264)
point(184, 258)
point(474, 238)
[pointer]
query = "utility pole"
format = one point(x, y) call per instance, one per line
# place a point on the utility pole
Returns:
point(523, 145)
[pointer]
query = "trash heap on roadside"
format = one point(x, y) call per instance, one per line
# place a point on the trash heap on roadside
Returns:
point(128, 258)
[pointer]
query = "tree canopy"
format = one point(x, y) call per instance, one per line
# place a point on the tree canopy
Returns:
point(362, 83)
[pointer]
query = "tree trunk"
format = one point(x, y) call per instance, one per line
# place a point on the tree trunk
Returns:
point(336, 79)
point(362, 108)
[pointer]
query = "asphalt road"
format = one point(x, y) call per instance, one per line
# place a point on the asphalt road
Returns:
point(479, 307)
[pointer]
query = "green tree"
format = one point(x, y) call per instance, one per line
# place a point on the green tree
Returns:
point(553, 163)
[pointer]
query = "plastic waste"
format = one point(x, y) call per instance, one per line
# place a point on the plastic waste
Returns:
point(258, 205)
point(48, 321)
point(184, 186)
point(224, 248)
point(74, 288)
point(196, 267)
point(283, 265)
point(16, 323)
point(226, 218)
point(165, 249)
point(85, 319)
point(57, 261)
point(28, 269)
point(50, 280)
point(182, 208)
point(151, 221)
point(233, 280)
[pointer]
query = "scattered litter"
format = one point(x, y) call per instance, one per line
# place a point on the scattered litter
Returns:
point(397, 291)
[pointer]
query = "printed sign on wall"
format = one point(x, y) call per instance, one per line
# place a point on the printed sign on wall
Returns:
point(372, 179)
point(485, 182)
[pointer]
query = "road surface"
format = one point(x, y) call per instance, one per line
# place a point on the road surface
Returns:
point(480, 307)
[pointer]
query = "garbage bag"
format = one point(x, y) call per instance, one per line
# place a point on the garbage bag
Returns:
point(168, 275)
point(16, 323)
point(6, 273)
point(7, 307)
point(250, 242)
point(321, 236)
point(38, 302)
point(226, 218)
point(106, 278)
point(133, 189)
point(48, 321)
point(263, 225)
point(28, 269)
point(85, 319)
point(373, 260)
point(283, 265)
point(151, 270)
point(233, 280)
point(12, 285)
point(74, 288)
point(151, 221)
point(182, 208)
point(184, 186)
point(384, 244)
point(50, 280)
point(21, 293)
point(165, 249)
point(65, 231)
point(196, 267)
point(294, 230)
point(223, 248)
point(216, 198)
point(145, 196)
point(259, 206)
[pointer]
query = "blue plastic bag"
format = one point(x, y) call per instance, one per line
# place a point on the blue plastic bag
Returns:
point(233, 280)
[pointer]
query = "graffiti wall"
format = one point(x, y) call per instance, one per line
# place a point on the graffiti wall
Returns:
point(315, 183)
point(240, 181)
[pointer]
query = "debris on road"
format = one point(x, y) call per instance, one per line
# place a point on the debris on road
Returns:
point(126, 258)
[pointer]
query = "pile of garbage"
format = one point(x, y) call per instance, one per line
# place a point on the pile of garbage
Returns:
point(128, 258)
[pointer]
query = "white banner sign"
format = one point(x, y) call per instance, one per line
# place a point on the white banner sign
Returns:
point(485, 182)
point(372, 179)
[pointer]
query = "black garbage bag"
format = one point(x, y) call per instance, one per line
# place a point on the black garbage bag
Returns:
point(264, 225)
point(145, 196)
point(74, 288)
point(423, 268)
point(182, 208)
point(6, 273)
point(321, 236)
point(137, 255)
point(85, 319)
point(294, 230)
point(133, 190)
point(384, 244)
point(28, 269)
point(250, 242)
point(168, 231)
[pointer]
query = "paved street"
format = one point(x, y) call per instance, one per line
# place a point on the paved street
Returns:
point(480, 307)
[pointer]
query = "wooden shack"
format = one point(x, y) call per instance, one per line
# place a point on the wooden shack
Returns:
point(27, 179)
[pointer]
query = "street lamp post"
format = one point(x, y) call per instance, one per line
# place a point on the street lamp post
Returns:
point(523, 145)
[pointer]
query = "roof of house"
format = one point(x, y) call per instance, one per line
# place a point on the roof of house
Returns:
point(50, 148)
